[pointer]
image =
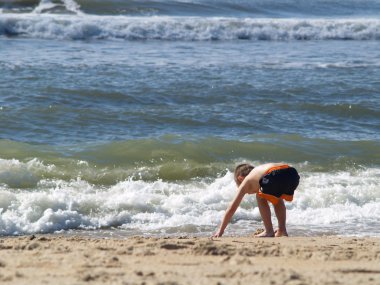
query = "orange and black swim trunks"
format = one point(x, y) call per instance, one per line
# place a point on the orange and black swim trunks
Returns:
point(279, 182)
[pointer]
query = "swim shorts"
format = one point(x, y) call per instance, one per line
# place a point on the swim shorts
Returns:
point(279, 182)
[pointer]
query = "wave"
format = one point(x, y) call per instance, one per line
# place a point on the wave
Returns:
point(172, 185)
point(245, 8)
point(73, 27)
point(337, 199)
point(23, 166)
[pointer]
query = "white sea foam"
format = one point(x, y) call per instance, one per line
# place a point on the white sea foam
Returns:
point(68, 5)
point(43, 6)
point(72, 6)
point(17, 174)
point(345, 201)
point(84, 27)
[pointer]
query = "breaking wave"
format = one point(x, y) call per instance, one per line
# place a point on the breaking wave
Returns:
point(340, 200)
point(85, 27)
point(230, 8)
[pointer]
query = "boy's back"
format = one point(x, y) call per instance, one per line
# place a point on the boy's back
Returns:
point(253, 178)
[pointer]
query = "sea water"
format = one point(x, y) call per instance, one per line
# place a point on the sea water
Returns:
point(128, 117)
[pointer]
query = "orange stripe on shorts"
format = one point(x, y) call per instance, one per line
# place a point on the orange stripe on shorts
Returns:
point(276, 168)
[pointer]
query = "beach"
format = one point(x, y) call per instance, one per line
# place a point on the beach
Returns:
point(59, 259)
point(121, 124)
point(122, 120)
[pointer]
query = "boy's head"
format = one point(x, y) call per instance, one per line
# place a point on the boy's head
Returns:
point(241, 171)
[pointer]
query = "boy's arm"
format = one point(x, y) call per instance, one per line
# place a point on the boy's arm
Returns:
point(230, 212)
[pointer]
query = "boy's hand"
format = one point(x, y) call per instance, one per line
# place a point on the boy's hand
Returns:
point(217, 234)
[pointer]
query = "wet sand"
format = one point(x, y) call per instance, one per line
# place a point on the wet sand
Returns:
point(187, 260)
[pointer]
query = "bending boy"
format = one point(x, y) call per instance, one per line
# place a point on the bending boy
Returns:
point(273, 182)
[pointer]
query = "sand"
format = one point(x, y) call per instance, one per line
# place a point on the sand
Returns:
point(51, 259)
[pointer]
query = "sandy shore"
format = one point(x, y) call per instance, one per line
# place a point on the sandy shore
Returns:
point(242, 260)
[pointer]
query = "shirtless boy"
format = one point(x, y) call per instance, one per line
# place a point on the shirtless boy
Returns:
point(274, 182)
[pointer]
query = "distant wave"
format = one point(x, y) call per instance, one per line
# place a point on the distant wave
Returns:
point(237, 8)
point(85, 27)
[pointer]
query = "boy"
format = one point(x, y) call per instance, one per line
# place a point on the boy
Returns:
point(270, 182)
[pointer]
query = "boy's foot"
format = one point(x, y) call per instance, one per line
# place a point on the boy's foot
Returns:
point(265, 234)
point(279, 233)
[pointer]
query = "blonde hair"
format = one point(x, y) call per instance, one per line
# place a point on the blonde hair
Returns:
point(242, 170)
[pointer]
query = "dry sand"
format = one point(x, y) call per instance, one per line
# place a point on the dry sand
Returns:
point(241, 260)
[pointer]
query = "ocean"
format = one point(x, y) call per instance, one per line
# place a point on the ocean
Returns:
point(122, 118)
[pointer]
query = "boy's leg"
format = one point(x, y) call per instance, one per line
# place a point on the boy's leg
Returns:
point(280, 211)
point(266, 216)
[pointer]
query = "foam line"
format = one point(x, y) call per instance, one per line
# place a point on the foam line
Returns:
point(85, 27)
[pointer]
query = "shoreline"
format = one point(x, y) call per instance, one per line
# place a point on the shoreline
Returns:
point(48, 259)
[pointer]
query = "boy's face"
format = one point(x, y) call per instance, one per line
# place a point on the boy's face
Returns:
point(239, 180)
